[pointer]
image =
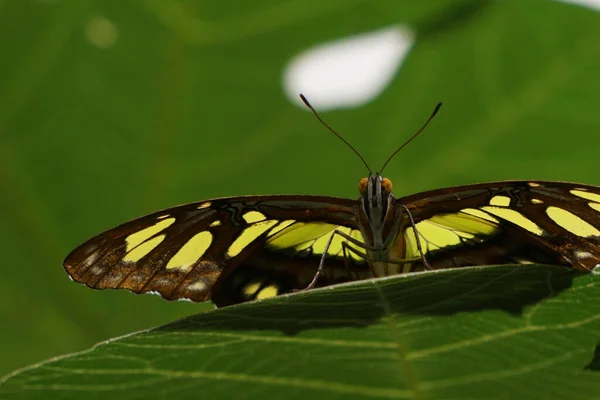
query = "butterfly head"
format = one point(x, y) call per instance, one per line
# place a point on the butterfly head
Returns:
point(375, 192)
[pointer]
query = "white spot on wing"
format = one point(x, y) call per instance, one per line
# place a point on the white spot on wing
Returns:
point(96, 270)
point(198, 286)
point(90, 259)
point(583, 254)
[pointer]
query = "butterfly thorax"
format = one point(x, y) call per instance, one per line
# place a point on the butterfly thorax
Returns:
point(378, 219)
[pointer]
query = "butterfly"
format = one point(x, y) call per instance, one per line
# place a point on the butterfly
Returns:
point(237, 249)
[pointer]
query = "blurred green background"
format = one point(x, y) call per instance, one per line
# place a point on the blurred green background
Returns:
point(113, 109)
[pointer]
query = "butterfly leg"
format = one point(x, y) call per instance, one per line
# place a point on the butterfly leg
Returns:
point(414, 226)
point(346, 248)
point(322, 262)
point(362, 245)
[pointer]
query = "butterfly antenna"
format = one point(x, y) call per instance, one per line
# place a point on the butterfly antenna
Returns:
point(334, 132)
point(412, 137)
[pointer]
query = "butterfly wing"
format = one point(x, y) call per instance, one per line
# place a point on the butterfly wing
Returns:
point(229, 250)
point(243, 248)
point(504, 222)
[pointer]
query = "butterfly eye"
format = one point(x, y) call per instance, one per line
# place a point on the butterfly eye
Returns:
point(386, 185)
point(363, 185)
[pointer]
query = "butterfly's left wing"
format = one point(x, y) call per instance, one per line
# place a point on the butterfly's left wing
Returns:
point(505, 223)
point(229, 250)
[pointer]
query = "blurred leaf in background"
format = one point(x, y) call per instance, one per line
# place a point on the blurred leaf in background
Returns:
point(111, 110)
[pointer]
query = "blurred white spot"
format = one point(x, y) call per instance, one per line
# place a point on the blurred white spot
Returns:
point(593, 4)
point(583, 254)
point(347, 72)
point(101, 32)
point(198, 286)
point(596, 269)
point(90, 260)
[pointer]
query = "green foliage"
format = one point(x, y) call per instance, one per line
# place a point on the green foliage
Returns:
point(493, 333)
point(187, 104)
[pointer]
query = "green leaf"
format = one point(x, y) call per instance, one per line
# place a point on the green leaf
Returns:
point(518, 332)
